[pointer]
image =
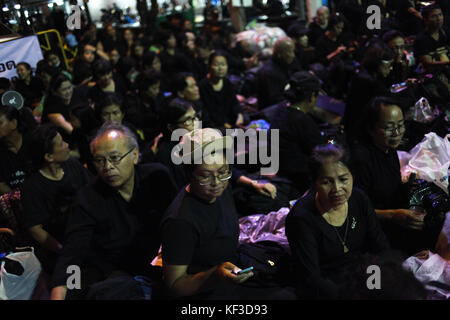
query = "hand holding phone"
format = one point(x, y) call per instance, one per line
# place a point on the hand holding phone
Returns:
point(243, 271)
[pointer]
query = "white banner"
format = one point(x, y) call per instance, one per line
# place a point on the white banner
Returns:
point(12, 52)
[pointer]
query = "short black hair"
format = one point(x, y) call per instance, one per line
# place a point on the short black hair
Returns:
point(57, 80)
point(146, 79)
point(179, 81)
point(101, 67)
point(426, 11)
point(375, 54)
point(107, 100)
point(5, 84)
point(374, 110)
point(391, 35)
point(42, 143)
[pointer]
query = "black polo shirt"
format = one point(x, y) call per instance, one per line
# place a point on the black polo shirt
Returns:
point(108, 233)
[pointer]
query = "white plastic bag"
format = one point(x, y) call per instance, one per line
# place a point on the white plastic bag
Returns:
point(430, 160)
point(433, 272)
point(422, 112)
point(14, 287)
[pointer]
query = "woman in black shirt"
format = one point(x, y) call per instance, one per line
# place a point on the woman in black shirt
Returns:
point(218, 95)
point(32, 88)
point(331, 225)
point(61, 99)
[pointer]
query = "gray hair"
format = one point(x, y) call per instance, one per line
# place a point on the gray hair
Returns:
point(107, 127)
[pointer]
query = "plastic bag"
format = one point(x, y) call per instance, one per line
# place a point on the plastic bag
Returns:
point(15, 287)
point(422, 112)
point(430, 160)
point(433, 272)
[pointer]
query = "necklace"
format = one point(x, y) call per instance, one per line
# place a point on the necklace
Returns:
point(337, 232)
point(345, 236)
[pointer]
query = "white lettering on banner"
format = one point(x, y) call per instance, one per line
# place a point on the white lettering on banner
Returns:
point(26, 49)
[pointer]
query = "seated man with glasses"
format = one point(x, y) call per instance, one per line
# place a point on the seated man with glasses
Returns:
point(376, 169)
point(113, 228)
point(200, 230)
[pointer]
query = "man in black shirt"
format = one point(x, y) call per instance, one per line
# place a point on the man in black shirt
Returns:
point(432, 46)
point(274, 75)
point(319, 25)
point(113, 226)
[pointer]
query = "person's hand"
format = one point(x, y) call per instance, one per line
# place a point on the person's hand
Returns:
point(341, 49)
point(408, 218)
point(154, 147)
point(266, 189)
point(423, 255)
point(239, 120)
point(58, 293)
point(225, 271)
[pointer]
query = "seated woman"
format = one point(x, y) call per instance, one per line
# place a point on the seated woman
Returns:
point(218, 95)
point(331, 225)
point(200, 229)
point(15, 159)
point(376, 167)
point(61, 99)
point(31, 88)
point(298, 131)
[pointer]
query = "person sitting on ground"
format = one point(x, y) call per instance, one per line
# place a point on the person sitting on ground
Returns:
point(200, 229)
point(113, 227)
point(143, 107)
point(106, 82)
point(319, 25)
point(109, 109)
point(274, 75)
point(376, 169)
point(48, 193)
point(29, 86)
point(371, 81)
point(62, 97)
point(218, 95)
point(298, 132)
point(330, 225)
point(15, 160)
point(432, 46)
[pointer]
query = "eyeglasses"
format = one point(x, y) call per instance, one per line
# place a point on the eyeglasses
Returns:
point(207, 180)
point(114, 160)
point(190, 121)
point(391, 131)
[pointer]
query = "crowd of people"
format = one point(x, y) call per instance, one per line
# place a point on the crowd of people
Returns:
point(92, 153)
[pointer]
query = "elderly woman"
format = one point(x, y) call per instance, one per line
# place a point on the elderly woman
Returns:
point(377, 171)
point(200, 229)
point(331, 225)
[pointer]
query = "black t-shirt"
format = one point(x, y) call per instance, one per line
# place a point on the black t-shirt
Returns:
point(199, 234)
point(47, 202)
point(32, 92)
point(108, 233)
point(317, 248)
point(15, 167)
point(378, 174)
point(426, 45)
point(54, 104)
point(222, 106)
point(298, 134)
point(96, 94)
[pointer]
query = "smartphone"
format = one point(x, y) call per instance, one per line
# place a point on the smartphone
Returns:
point(244, 271)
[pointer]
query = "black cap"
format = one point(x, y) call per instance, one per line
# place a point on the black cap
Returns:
point(301, 82)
